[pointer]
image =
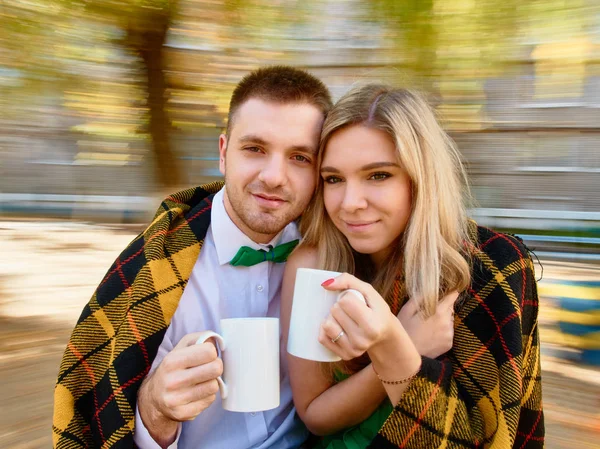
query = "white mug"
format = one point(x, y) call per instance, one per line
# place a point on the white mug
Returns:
point(311, 305)
point(250, 353)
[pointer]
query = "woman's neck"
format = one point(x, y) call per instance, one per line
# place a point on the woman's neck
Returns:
point(379, 259)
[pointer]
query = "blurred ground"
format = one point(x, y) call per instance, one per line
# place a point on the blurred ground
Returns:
point(48, 271)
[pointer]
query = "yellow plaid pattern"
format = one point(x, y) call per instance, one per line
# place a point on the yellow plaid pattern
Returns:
point(486, 392)
point(120, 329)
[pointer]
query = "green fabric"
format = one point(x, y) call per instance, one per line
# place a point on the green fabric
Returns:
point(360, 435)
point(247, 256)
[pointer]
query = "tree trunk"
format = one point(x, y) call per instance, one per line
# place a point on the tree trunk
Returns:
point(148, 42)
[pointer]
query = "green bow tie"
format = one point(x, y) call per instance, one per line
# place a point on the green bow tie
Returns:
point(246, 256)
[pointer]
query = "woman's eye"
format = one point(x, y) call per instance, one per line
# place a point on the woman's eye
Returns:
point(379, 176)
point(332, 179)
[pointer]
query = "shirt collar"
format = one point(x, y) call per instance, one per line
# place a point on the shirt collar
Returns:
point(229, 238)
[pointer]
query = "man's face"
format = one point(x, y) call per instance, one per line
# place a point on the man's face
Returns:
point(269, 161)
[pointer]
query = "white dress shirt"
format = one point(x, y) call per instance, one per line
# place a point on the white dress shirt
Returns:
point(218, 290)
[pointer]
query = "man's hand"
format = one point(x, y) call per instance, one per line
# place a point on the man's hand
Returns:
point(432, 337)
point(182, 387)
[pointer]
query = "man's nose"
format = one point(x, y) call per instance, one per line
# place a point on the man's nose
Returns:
point(274, 172)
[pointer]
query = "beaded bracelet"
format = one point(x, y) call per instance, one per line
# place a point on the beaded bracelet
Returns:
point(397, 382)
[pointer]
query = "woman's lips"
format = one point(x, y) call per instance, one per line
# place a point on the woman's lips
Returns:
point(360, 226)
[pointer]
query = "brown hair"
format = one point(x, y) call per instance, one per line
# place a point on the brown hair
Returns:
point(280, 84)
point(430, 256)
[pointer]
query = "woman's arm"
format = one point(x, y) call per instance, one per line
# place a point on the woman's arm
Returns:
point(432, 336)
point(371, 327)
point(328, 407)
point(324, 407)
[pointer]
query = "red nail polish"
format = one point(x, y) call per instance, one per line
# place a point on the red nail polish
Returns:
point(327, 282)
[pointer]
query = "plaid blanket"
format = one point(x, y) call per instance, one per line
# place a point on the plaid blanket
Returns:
point(487, 392)
point(118, 334)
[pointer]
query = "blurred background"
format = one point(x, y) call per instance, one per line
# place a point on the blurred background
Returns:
point(108, 105)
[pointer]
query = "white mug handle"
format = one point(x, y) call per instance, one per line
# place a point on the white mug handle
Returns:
point(356, 293)
point(205, 336)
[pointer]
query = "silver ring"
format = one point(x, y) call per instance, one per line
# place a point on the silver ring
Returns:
point(340, 335)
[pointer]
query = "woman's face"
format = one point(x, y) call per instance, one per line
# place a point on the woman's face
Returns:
point(367, 194)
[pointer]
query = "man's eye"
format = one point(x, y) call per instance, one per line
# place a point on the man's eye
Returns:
point(300, 158)
point(332, 179)
point(379, 176)
point(252, 149)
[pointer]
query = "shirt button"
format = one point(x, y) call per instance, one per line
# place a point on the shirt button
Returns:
point(253, 414)
point(259, 288)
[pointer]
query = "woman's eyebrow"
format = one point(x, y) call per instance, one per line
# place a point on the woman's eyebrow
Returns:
point(330, 169)
point(379, 165)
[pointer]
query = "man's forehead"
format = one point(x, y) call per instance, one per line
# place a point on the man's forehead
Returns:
point(257, 119)
point(253, 108)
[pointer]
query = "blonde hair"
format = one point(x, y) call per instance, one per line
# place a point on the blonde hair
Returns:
point(430, 256)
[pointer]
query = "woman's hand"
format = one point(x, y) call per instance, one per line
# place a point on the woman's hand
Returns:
point(354, 327)
point(432, 336)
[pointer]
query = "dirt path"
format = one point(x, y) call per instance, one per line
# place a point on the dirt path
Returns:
point(49, 270)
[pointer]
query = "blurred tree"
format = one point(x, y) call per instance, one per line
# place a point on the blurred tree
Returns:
point(146, 24)
point(450, 47)
point(38, 39)
point(411, 26)
point(43, 42)
point(436, 39)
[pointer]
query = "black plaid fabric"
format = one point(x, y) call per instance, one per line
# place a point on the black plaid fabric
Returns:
point(486, 393)
point(118, 334)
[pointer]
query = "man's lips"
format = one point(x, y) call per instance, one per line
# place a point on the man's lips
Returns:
point(269, 197)
point(268, 200)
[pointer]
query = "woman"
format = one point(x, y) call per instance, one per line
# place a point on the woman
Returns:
point(390, 210)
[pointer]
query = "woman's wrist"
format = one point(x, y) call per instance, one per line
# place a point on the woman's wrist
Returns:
point(396, 381)
point(395, 356)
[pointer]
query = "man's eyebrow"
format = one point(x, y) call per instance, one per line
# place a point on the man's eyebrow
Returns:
point(252, 138)
point(304, 149)
point(364, 167)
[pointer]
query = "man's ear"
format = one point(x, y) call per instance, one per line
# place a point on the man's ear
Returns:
point(222, 151)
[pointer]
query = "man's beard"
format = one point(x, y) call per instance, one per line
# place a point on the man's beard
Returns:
point(256, 219)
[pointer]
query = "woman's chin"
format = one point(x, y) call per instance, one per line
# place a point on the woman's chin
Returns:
point(377, 253)
point(366, 249)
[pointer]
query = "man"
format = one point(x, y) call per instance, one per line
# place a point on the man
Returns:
point(135, 340)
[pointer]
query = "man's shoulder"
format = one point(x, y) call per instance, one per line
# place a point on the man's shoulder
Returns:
point(184, 211)
point(188, 199)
